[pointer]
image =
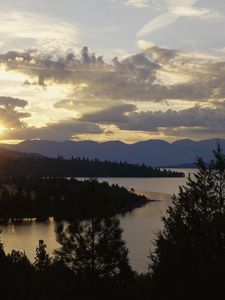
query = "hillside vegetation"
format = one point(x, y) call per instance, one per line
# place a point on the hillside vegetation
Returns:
point(75, 167)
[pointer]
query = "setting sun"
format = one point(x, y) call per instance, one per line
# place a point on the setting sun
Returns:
point(2, 129)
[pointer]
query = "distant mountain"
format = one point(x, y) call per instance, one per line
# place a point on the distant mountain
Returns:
point(151, 152)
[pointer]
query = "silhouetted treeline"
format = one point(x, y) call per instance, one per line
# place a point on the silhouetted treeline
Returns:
point(62, 198)
point(90, 263)
point(189, 255)
point(77, 167)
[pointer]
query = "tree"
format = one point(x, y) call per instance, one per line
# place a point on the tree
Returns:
point(190, 250)
point(42, 259)
point(3, 256)
point(5, 202)
point(93, 248)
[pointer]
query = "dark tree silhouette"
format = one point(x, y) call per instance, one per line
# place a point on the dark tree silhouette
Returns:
point(190, 250)
point(77, 167)
point(93, 248)
point(63, 199)
point(42, 260)
point(18, 257)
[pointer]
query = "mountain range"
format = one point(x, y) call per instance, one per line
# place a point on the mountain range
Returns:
point(152, 152)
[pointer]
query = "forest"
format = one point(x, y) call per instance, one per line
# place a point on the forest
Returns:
point(63, 199)
point(76, 167)
point(92, 262)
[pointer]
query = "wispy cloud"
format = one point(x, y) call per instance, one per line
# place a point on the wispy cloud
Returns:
point(157, 23)
point(18, 29)
point(138, 3)
point(144, 3)
point(174, 10)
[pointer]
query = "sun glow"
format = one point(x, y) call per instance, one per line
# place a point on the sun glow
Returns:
point(2, 129)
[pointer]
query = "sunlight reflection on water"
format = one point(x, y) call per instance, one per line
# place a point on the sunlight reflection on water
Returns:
point(139, 226)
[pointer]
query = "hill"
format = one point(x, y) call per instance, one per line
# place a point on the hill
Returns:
point(6, 154)
point(26, 165)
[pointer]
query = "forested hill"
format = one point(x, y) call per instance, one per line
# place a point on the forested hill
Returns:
point(38, 166)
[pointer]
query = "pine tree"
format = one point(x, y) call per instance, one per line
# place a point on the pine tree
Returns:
point(93, 247)
point(3, 256)
point(42, 259)
point(191, 247)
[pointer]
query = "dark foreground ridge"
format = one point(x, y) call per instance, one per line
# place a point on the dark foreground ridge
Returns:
point(40, 166)
point(63, 199)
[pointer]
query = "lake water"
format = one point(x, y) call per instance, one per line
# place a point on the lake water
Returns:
point(139, 226)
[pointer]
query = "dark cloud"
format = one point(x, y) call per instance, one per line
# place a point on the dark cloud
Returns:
point(63, 130)
point(18, 56)
point(192, 117)
point(162, 55)
point(112, 115)
point(12, 102)
point(126, 117)
point(136, 78)
point(128, 79)
point(9, 115)
point(198, 133)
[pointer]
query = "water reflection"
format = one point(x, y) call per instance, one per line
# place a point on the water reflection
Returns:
point(24, 237)
point(139, 226)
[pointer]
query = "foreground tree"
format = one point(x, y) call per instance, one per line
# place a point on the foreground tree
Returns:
point(93, 248)
point(190, 250)
point(42, 260)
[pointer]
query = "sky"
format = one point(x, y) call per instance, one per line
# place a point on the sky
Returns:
point(128, 70)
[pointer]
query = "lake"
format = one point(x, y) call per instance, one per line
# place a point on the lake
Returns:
point(139, 226)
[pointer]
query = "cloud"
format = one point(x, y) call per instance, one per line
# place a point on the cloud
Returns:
point(137, 3)
point(12, 102)
point(157, 74)
point(63, 130)
point(10, 116)
point(109, 94)
point(162, 56)
point(187, 118)
point(157, 23)
point(174, 10)
point(21, 29)
point(143, 44)
point(113, 115)
point(197, 133)
point(91, 76)
point(60, 84)
point(143, 3)
point(197, 119)
point(84, 105)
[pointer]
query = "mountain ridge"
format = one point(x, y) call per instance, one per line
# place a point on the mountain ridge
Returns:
point(151, 152)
